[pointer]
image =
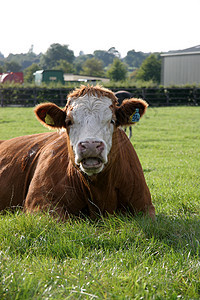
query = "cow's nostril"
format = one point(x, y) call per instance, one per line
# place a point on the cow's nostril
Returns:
point(91, 148)
point(100, 146)
point(82, 146)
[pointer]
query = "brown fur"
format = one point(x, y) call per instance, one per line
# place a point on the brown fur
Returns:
point(38, 172)
point(98, 91)
point(128, 106)
point(57, 114)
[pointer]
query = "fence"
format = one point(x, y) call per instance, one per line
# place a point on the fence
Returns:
point(32, 96)
point(154, 96)
point(167, 96)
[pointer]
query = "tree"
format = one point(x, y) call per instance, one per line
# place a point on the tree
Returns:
point(134, 59)
point(24, 59)
point(115, 52)
point(65, 66)
point(55, 53)
point(93, 67)
point(1, 55)
point(117, 71)
point(79, 61)
point(106, 57)
point(150, 69)
point(28, 72)
point(12, 66)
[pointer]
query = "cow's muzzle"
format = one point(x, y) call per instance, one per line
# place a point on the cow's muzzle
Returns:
point(91, 156)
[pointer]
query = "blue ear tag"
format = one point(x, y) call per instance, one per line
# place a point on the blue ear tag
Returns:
point(135, 117)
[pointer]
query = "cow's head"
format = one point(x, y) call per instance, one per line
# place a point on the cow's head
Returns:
point(90, 117)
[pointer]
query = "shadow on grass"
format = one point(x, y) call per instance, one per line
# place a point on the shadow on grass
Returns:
point(41, 235)
point(177, 232)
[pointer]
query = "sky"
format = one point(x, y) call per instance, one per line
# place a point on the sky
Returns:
point(89, 25)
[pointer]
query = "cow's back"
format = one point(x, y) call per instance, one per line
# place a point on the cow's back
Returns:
point(18, 158)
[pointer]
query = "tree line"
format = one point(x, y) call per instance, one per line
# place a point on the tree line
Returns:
point(134, 66)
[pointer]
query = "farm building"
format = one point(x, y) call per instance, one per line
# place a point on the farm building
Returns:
point(84, 78)
point(181, 67)
point(48, 76)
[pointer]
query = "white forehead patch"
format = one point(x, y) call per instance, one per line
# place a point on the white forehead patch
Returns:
point(91, 104)
point(91, 120)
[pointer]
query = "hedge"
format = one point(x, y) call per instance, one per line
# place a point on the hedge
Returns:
point(154, 96)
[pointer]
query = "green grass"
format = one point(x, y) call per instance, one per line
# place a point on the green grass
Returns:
point(118, 257)
point(17, 122)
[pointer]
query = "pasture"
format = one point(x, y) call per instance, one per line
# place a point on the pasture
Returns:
point(118, 257)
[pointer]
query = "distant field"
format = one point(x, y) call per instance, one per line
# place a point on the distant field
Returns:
point(18, 121)
point(117, 257)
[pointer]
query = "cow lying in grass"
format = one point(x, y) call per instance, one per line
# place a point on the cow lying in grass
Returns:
point(88, 168)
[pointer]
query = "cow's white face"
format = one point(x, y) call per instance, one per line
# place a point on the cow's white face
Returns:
point(90, 132)
point(89, 121)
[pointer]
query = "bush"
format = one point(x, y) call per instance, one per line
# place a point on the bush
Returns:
point(150, 69)
point(118, 71)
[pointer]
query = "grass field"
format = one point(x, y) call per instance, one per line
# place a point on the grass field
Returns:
point(117, 257)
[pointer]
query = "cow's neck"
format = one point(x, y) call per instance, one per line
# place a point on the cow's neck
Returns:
point(100, 190)
point(104, 186)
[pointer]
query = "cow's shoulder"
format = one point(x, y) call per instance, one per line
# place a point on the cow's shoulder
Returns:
point(22, 150)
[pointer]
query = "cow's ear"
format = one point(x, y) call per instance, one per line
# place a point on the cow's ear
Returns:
point(130, 111)
point(50, 115)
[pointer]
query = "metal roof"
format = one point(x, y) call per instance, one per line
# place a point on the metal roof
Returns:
point(191, 50)
point(72, 77)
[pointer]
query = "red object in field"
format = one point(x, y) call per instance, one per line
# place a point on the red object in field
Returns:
point(16, 77)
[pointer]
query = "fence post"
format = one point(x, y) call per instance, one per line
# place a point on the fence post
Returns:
point(35, 96)
point(1, 97)
point(61, 98)
point(144, 93)
point(194, 95)
point(167, 96)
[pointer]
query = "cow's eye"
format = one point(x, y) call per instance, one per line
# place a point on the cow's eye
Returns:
point(112, 121)
point(68, 122)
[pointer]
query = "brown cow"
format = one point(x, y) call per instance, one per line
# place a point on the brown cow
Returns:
point(89, 167)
